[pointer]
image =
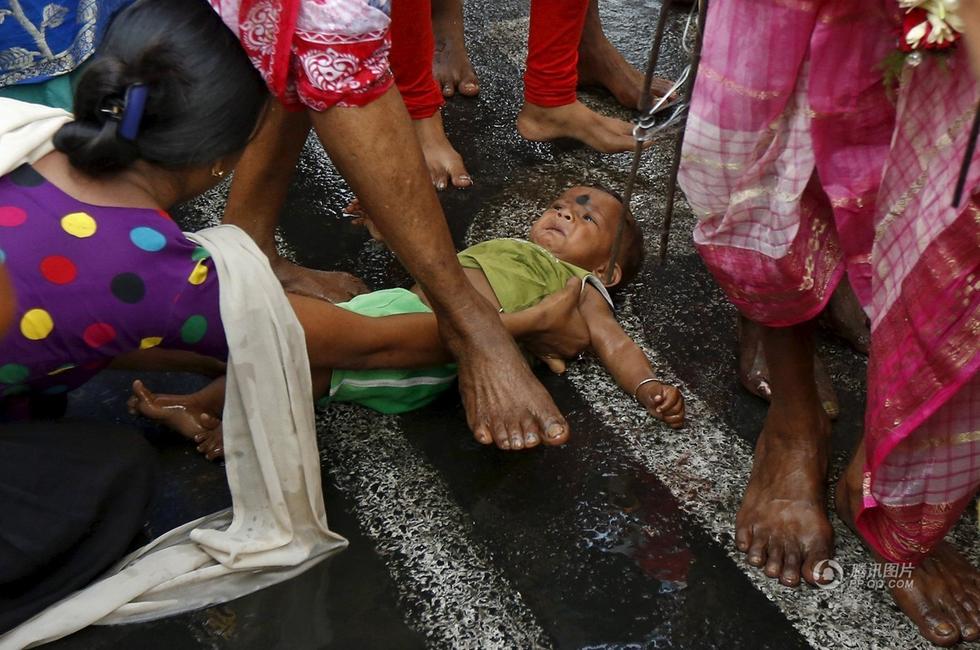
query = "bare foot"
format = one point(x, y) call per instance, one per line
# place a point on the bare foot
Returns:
point(195, 416)
point(451, 65)
point(753, 373)
point(332, 286)
point(845, 318)
point(942, 595)
point(505, 404)
point(575, 120)
point(601, 64)
point(782, 524)
point(444, 163)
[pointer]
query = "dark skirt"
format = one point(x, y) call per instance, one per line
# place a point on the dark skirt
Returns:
point(73, 498)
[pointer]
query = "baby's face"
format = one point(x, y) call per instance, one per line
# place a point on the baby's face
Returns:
point(579, 227)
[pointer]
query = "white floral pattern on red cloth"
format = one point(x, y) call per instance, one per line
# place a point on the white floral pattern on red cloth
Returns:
point(315, 53)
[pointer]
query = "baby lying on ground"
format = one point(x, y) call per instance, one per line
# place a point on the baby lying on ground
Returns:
point(571, 241)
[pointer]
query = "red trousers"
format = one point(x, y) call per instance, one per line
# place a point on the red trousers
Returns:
point(552, 58)
point(412, 49)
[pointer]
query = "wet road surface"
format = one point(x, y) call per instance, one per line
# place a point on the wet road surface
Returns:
point(621, 538)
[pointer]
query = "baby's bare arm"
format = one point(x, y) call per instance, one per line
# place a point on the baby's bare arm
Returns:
point(627, 362)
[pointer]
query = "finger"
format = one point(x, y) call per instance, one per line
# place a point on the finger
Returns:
point(554, 364)
point(670, 401)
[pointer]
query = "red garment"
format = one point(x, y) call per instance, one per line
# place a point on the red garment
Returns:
point(552, 51)
point(314, 54)
point(412, 48)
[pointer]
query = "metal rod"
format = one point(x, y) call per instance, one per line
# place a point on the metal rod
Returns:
point(678, 148)
point(646, 101)
point(971, 145)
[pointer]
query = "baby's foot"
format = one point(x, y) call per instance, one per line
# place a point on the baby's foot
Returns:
point(444, 162)
point(451, 64)
point(186, 414)
point(575, 120)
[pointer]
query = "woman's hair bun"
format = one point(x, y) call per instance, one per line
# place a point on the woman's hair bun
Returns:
point(204, 97)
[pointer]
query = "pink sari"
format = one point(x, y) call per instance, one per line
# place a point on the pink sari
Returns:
point(315, 53)
point(800, 170)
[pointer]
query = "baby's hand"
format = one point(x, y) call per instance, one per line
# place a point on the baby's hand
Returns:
point(360, 217)
point(663, 401)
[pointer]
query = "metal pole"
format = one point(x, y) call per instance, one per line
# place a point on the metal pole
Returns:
point(646, 101)
point(688, 93)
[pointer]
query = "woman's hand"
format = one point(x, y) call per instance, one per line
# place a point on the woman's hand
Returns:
point(559, 331)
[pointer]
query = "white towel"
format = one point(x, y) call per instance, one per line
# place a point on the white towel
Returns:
point(277, 526)
point(26, 131)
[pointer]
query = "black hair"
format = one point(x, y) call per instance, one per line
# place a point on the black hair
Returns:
point(631, 251)
point(204, 101)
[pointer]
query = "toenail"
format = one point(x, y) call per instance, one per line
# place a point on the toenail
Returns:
point(532, 438)
point(554, 430)
point(945, 629)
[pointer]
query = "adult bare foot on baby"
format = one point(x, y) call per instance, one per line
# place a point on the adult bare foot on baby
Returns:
point(576, 121)
point(444, 162)
point(505, 404)
point(196, 416)
point(451, 65)
point(941, 595)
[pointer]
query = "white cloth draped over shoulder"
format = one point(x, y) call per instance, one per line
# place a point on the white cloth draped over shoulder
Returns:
point(277, 525)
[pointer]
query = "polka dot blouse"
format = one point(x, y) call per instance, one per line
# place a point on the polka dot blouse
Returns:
point(94, 283)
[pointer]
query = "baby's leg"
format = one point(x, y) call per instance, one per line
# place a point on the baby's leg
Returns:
point(196, 416)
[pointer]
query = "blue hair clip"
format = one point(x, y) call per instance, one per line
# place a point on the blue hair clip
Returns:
point(132, 114)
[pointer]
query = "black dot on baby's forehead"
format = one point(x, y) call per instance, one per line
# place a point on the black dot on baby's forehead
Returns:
point(582, 199)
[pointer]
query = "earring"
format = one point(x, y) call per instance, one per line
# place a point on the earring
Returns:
point(217, 171)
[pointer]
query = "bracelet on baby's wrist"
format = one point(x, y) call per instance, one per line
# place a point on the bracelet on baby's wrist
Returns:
point(637, 389)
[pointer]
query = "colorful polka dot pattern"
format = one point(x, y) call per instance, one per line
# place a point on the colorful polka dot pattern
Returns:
point(93, 283)
point(79, 224)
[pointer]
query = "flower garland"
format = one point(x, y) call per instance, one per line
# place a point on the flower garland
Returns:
point(928, 26)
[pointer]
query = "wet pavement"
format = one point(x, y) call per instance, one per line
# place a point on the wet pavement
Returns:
point(621, 538)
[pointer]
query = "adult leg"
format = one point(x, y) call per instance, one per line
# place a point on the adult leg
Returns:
point(258, 193)
point(941, 595)
point(503, 400)
point(753, 372)
point(782, 524)
point(411, 62)
point(451, 66)
point(551, 109)
point(601, 64)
